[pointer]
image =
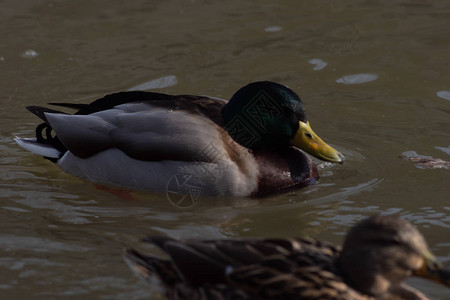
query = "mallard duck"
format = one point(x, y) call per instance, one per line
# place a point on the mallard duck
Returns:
point(377, 255)
point(144, 140)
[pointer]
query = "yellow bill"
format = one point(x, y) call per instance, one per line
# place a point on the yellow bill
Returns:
point(307, 140)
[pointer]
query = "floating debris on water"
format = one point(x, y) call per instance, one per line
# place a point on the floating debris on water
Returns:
point(425, 162)
point(430, 163)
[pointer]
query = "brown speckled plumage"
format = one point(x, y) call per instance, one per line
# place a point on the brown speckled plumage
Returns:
point(286, 268)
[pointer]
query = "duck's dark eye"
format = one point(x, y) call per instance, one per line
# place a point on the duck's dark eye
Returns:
point(308, 135)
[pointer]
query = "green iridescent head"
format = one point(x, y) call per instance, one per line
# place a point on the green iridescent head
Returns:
point(268, 115)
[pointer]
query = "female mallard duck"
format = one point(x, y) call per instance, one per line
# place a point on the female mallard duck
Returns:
point(378, 254)
point(142, 140)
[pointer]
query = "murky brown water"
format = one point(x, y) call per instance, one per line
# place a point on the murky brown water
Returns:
point(61, 236)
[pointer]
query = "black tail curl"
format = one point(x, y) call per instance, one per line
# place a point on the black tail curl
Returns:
point(44, 132)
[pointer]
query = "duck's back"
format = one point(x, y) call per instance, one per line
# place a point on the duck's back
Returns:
point(250, 269)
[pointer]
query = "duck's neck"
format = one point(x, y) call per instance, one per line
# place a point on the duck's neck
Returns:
point(366, 278)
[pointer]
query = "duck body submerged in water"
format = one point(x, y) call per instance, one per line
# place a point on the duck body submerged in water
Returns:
point(377, 255)
point(248, 146)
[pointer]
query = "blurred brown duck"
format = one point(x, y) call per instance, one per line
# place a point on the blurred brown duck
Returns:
point(377, 255)
point(248, 146)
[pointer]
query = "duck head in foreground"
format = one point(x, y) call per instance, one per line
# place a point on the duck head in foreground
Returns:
point(378, 254)
point(249, 146)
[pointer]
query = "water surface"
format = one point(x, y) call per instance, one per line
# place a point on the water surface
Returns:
point(379, 92)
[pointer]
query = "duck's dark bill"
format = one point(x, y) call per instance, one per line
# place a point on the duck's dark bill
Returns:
point(307, 140)
point(433, 270)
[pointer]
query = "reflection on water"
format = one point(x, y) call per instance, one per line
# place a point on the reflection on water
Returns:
point(319, 64)
point(345, 192)
point(30, 54)
point(273, 29)
point(444, 149)
point(158, 83)
point(16, 243)
point(64, 237)
point(444, 95)
point(357, 78)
